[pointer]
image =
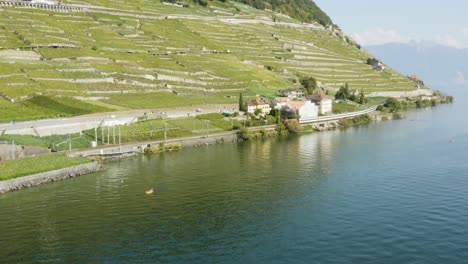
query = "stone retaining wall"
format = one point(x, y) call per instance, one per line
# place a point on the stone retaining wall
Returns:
point(49, 176)
point(53, 8)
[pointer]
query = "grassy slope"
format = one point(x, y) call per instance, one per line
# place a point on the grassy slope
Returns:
point(124, 60)
point(17, 168)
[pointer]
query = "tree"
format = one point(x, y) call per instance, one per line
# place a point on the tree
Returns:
point(309, 83)
point(258, 111)
point(242, 105)
point(362, 98)
point(277, 116)
point(343, 93)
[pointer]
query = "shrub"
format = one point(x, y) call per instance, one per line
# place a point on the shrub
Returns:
point(162, 148)
point(397, 116)
point(294, 127)
point(393, 104)
point(356, 121)
point(281, 129)
point(244, 133)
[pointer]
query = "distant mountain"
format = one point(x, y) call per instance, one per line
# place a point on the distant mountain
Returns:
point(438, 66)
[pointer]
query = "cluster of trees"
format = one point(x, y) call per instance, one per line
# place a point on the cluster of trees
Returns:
point(309, 83)
point(345, 94)
point(302, 10)
point(391, 105)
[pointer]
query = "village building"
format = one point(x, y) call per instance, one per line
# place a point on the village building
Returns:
point(46, 2)
point(415, 79)
point(293, 93)
point(259, 103)
point(324, 102)
point(303, 108)
point(280, 102)
point(376, 64)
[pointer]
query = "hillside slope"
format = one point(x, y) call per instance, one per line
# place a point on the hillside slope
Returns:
point(106, 55)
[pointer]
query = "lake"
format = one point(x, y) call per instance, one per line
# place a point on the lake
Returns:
point(392, 192)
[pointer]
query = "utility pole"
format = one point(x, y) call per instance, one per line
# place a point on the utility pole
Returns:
point(120, 141)
point(108, 135)
point(95, 134)
point(113, 133)
point(207, 131)
point(165, 132)
point(102, 134)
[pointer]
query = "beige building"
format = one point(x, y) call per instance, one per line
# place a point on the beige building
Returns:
point(259, 103)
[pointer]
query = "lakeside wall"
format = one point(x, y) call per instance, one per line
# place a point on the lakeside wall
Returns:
point(138, 147)
point(49, 176)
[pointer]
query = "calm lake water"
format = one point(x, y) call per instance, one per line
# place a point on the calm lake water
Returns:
point(394, 192)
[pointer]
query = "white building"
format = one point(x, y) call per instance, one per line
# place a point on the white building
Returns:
point(324, 103)
point(293, 93)
point(259, 103)
point(304, 108)
point(280, 102)
point(46, 2)
point(376, 64)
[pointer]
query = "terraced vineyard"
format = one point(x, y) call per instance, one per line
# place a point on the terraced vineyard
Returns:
point(122, 54)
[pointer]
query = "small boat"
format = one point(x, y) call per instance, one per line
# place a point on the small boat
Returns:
point(150, 191)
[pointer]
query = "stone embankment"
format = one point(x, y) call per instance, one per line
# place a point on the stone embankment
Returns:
point(401, 94)
point(54, 8)
point(138, 147)
point(49, 176)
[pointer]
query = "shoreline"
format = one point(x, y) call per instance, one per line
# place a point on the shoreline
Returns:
point(137, 149)
point(23, 182)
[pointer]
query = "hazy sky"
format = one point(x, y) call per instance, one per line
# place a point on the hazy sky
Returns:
point(373, 22)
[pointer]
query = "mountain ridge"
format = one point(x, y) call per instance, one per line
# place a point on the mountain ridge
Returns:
point(437, 64)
